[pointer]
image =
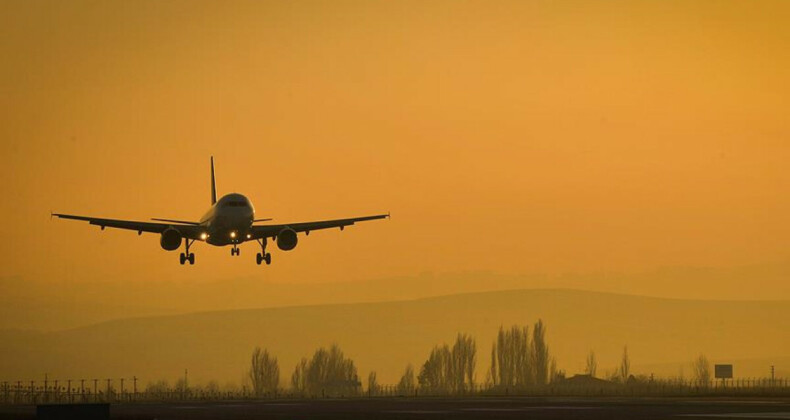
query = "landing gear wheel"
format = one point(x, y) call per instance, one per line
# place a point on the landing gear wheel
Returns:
point(187, 256)
point(263, 255)
point(234, 251)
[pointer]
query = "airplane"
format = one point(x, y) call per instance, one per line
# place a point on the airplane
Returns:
point(229, 221)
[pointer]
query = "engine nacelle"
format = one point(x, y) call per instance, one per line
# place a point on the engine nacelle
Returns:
point(286, 239)
point(171, 239)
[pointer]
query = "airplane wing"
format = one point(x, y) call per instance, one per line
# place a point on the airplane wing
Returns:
point(268, 231)
point(187, 231)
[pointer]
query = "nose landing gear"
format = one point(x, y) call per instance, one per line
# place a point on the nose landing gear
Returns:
point(235, 250)
point(263, 255)
point(187, 256)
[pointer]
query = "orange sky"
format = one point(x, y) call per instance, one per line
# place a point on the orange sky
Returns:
point(518, 137)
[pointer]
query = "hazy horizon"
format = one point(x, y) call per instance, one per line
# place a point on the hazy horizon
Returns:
point(662, 334)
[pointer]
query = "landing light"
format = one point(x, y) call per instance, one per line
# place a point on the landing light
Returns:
point(233, 234)
point(203, 236)
point(249, 236)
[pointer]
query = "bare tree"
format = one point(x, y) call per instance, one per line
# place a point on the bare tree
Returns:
point(299, 377)
point(625, 366)
point(540, 353)
point(701, 369)
point(450, 370)
point(493, 370)
point(407, 385)
point(511, 358)
point(328, 372)
point(434, 373)
point(373, 385)
point(464, 355)
point(160, 387)
point(264, 372)
point(592, 364)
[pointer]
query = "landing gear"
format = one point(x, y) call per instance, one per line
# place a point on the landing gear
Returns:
point(263, 255)
point(187, 256)
point(235, 250)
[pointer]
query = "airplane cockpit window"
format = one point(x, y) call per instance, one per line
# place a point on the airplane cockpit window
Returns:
point(235, 204)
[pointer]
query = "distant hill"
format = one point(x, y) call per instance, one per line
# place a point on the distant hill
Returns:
point(54, 304)
point(386, 336)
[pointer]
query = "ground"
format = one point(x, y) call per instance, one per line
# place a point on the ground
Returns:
point(440, 408)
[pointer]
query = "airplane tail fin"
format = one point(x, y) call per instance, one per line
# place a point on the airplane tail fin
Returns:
point(213, 184)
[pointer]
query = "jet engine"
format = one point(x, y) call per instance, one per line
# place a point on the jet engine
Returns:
point(286, 239)
point(171, 239)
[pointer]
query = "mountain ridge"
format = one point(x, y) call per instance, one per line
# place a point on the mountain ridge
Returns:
point(418, 299)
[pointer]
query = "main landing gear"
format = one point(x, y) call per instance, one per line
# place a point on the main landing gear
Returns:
point(263, 255)
point(187, 256)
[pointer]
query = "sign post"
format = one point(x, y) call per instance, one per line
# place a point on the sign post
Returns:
point(723, 372)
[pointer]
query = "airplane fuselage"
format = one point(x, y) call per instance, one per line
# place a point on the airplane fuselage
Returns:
point(229, 220)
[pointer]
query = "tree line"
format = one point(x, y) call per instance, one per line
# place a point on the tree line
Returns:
point(518, 360)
